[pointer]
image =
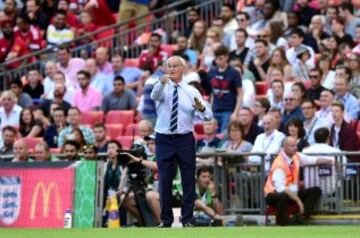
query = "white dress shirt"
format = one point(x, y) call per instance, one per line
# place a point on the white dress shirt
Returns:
point(312, 125)
point(270, 144)
point(162, 94)
point(326, 115)
point(13, 119)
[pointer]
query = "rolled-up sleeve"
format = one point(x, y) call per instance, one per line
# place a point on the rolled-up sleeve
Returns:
point(157, 94)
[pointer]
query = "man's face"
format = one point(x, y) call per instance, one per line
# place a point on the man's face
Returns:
point(192, 17)
point(70, 152)
point(210, 127)
point(20, 150)
point(155, 42)
point(290, 147)
point(242, 21)
point(268, 10)
point(240, 38)
point(276, 75)
point(91, 67)
point(204, 179)
point(315, 78)
point(245, 117)
point(63, 5)
point(295, 40)
point(33, 76)
point(84, 82)
point(63, 56)
point(331, 13)
point(10, 6)
point(59, 118)
point(277, 89)
point(337, 113)
point(260, 49)
point(291, 102)
point(144, 130)
point(73, 117)
point(41, 154)
point(100, 134)
point(117, 63)
point(175, 69)
point(15, 89)
point(60, 21)
point(119, 86)
point(7, 30)
point(268, 124)
point(8, 137)
point(23, 26)
point(293, 19)
point(31, 6)
point(59, 90)
point(308, 110)
point(90, 154)
point(326, 99)
point(59, 78)
point(50, 69)
point(221, 61)
point(276, 115)
point(226, 13)
point(357, 34)
point(8, 102)
point(340, 86)
point(182, 43)
point(101, 55)
point(341, 73)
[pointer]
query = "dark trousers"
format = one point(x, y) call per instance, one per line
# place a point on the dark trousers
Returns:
point(309, 198)
point(173, 150)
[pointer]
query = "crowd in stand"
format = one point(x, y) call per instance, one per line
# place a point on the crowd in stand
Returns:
point(268, 68)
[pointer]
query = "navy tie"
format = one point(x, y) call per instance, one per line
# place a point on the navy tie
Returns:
point(174, 111)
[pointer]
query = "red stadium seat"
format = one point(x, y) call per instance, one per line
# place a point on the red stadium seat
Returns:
point(92, 118)
point(261, 88)
point(169, 49)
point(132, 130)
point(124, 117)
point(125, 141)
point(114, 130)
point(32, 142)
point(199, 128)
point(132, 62)
point(292, 209)
point(55, 151)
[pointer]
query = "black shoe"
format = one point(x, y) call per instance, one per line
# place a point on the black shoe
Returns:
point(164, 225)
point(188, 225)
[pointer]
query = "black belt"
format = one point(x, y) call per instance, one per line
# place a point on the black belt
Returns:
point(175, 135)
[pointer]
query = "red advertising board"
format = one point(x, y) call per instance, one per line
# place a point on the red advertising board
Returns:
point(35, 197)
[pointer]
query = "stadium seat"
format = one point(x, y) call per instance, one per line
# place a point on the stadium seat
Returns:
point(92, 117)
point(132, 62)
point(261, 88)
point(124, 117)
point(169, 49)
point(32, 142)
point(132, 130)
point(292, 209)
point(199, 128)
point(114, 130)
point(55, 151)
point(125, 141)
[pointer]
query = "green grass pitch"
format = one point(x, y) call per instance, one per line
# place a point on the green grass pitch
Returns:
point(224, 232)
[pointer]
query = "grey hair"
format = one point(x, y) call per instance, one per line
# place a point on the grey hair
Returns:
point(9, 93)
point(180, 59)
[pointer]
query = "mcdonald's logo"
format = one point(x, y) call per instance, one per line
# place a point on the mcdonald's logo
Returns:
point(46, 191)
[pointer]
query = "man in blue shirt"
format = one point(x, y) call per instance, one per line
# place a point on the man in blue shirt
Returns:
point(178, 104)
point(350, 102)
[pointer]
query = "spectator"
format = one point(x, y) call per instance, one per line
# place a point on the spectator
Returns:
point(102, 60)
point(9, 134)
point(278, 60)
point(131, 75)
point(29, 127)
point(296, 43)
point(327, 98)
point(355, 71)
point(331, 13)
point(241, 50)
point(59, 93)
point(73, 118)
point(191, 76)
point(213, 41)
point(71, 19)
point(338, 29)
point(58, 33)
point(316, 33)
point(21, 152)
point(86, 98)
point(198, 36)
point(306, 12)
point(78, 136)
point(98, 81)
point(261, 108)
point(193, 15)
point(314, 92)
point(51, 134)
point(332, 49)
point(342, 134)
point(184, 50)
point(207, 204)
point(277, 115)
point(226, 89)
point(49, 81)
point(301, 69)
point(23, 99)
point(328, 75)
point(34, 88)
point(295, 129)
point(349, 101)
point(294, 23)
point(120, 99)
point(261, 63)
point(11, 47)
point(146, 129)
point(36, 15)
point(30, 34)
point(282, 185)
point(9, 111)
point(268, 142)
point(42, 153)
point(90, 152)
point(86, 26)
point(277, 92)
point(292, 108)
point(251, 129)
point(346, 11)
point(71, 150)
point(324, 176)
point(69, 66)
point(299, 90)
point(154, 54)
point(210, 140)
point(227, 14)
point(59, 78)
point(101, 142)
point(10, 10)
point(236, 141)
point(243, 20)
point(276, 34)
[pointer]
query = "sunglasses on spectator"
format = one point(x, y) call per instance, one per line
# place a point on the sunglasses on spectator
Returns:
point(261, 36)
point(289, 99)
point(313, 76)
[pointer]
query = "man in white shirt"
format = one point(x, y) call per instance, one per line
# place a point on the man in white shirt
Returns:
point(296, 41)
point(9, 111)
point(268, 142)
point(227, 14)
point(327, 98)
point(311, 123)
point(276, 94)
point(322, 176)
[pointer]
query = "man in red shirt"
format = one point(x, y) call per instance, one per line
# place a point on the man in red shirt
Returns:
point(30, 34)
point(152, 56)
point(11, 47)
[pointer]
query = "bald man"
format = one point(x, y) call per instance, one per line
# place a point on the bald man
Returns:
point(21, 152)
point(99, 81)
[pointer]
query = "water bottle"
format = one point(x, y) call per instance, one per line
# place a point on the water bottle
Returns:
point(68, 219)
